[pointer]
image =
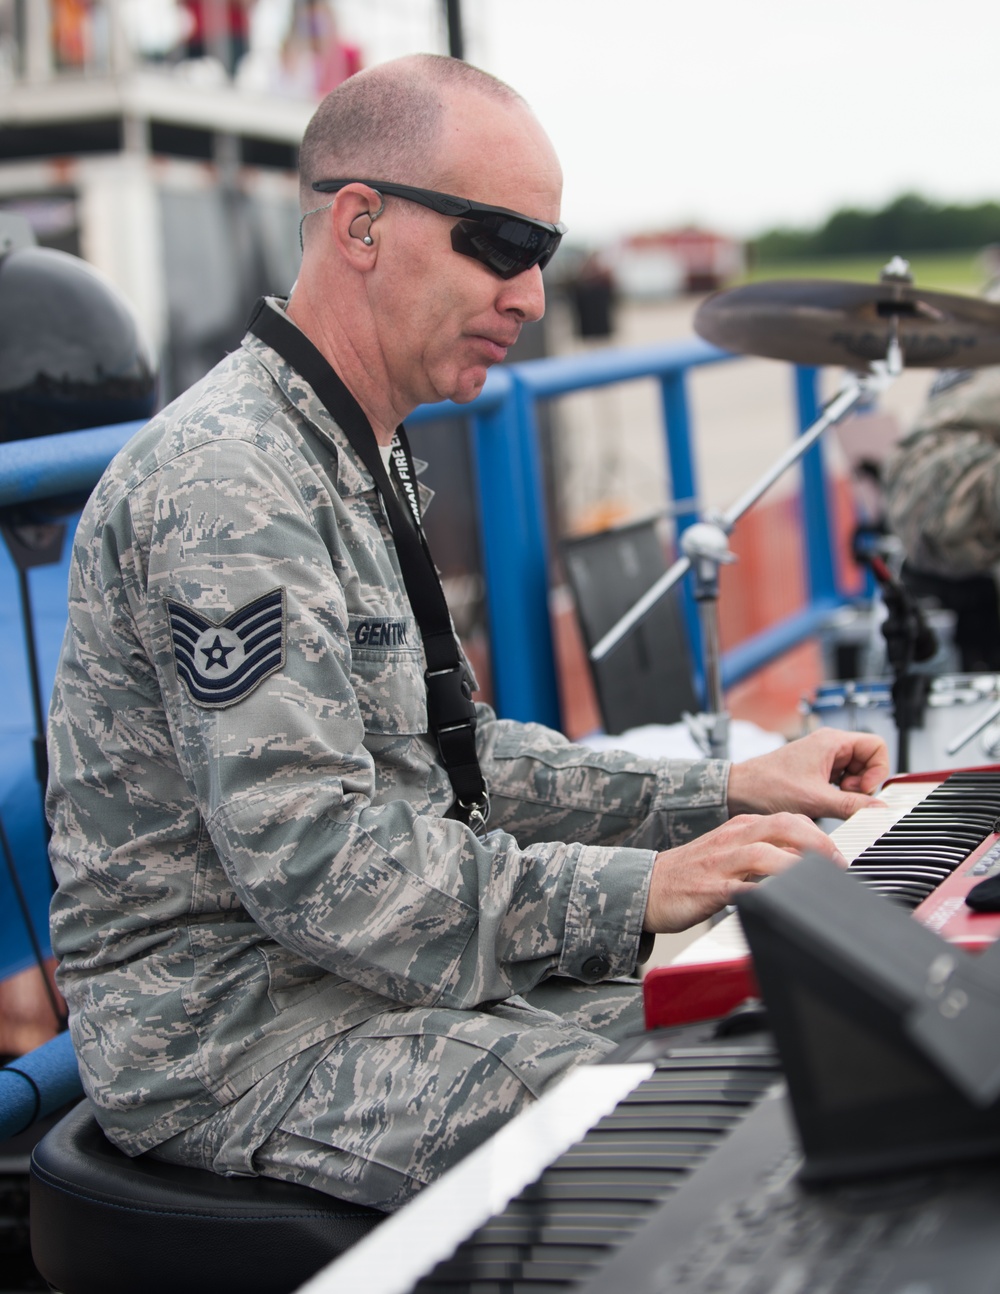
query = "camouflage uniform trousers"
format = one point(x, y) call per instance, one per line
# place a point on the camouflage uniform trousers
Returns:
point(397, 1101)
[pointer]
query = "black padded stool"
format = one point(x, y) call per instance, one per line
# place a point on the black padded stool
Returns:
point(102, 1223)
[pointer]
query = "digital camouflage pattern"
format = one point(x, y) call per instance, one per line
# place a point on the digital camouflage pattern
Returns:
point(247, 814)
point(445, 1081)
point(942, 483)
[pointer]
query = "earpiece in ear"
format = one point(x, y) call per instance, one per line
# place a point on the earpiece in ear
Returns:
point(366, 238)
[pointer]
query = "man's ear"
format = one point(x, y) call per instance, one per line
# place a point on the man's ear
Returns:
point(352, 220)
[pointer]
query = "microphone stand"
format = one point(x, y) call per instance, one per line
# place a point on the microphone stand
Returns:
point(33, 543)
point(908, 639)
point(705, 546)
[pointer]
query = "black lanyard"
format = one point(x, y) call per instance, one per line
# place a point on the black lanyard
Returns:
point(451, 713)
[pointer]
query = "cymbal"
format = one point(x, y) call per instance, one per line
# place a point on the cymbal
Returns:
point(827, 321)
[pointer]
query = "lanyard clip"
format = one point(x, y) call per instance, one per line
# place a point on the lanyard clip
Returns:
point(476, 814)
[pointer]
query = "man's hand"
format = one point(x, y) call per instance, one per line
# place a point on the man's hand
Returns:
point(693, 881)
point(829, 774)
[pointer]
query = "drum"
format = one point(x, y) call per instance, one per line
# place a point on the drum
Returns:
point(955, 703)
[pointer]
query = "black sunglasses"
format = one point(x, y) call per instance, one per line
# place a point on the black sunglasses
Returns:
point(504, 241)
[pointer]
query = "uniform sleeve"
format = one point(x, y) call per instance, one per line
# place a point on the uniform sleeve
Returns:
point(943, 482)
point(943, 500)
point(385, 893)
point(543, 787)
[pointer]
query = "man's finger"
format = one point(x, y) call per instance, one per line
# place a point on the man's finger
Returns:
point(863, 760)
point(794, 832)
point(845, 804)
point(779, 858)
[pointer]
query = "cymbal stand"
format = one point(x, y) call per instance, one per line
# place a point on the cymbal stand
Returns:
point(705, 546)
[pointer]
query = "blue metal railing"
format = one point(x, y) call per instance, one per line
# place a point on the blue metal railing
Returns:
point(511, 503)
point(513, 526)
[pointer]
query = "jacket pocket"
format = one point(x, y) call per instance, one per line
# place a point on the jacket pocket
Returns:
point(388, 676)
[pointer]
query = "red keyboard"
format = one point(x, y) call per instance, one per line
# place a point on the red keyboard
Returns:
point(927, 848)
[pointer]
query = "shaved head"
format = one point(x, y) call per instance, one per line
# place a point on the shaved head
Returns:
point(386, 123)
point(405, 314)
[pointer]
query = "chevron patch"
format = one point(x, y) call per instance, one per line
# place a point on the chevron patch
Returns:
point(220, 664)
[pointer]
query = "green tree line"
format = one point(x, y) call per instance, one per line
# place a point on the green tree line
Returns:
point(908, 224)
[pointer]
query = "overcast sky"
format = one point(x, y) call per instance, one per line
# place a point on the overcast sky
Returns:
point(741, 113)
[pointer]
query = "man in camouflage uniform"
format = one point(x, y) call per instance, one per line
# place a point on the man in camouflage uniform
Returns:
point(281, 955)
point(943, 502)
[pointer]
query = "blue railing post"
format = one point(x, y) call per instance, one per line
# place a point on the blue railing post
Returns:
point(512, 531)
point(818, 532)
point(684, 492)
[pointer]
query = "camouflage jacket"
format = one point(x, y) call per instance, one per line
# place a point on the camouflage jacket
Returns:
point(248, 817)
point(943, 482)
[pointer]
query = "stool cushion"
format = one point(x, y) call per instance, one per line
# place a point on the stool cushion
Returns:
point(102, 1223)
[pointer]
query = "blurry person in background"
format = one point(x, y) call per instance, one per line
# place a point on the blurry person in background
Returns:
point(217, 29)
point(71, 33)
point(942, 491)
point(314, 60)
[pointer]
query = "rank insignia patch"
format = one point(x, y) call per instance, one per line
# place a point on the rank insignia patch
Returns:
point(222, 663)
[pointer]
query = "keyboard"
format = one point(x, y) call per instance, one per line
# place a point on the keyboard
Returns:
point(929, 844)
